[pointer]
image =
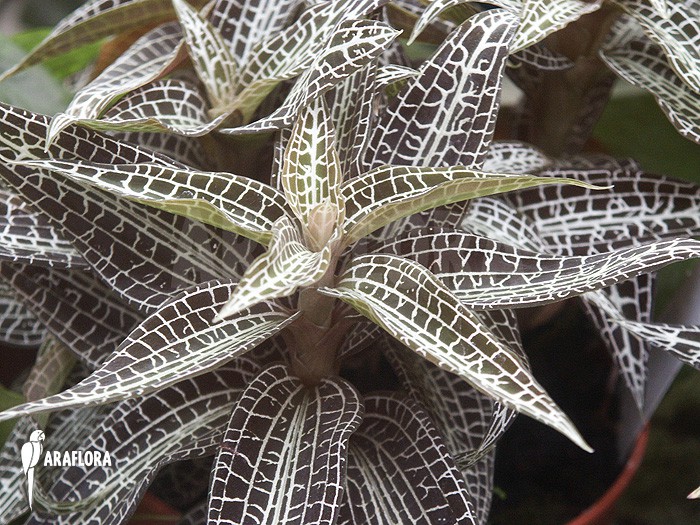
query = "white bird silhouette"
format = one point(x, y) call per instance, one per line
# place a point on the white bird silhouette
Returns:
point(31, 453)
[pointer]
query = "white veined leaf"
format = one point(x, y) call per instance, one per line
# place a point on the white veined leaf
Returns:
point(640, 207)
point(642, 64)
point(177, 342)
point(446, 115)
point(514, 157)
point(186, 420)
point(630, 299)
point(413, 305)
point(285, 449)
point(540, 18)
point(48, 374)
point(386, 194)
point(76, 307)
point(18, 325)
point(109, 231)
point(244, 23)
point(495, 219)
point(311, 172)
point(284, 267)
point(165, 106)
point(286, 54)
point(486, 274)
point(147, 59)
point(234, 203)
point(351, 107)
point(28, 236)
point(211, 55)
point(400, 471)
point(677, 34)
point(353, 45)
point(681, 341)
point(13, 502)
point(430, 14)
point(470, 421)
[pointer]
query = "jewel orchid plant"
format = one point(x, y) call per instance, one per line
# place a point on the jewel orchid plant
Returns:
point(251, 196)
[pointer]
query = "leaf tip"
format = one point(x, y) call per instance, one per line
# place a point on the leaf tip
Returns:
point(58, 123)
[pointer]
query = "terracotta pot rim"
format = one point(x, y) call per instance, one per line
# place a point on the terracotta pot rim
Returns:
point(602, 509)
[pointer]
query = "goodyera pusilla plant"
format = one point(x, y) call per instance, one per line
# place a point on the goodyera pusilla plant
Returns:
point(251, 195)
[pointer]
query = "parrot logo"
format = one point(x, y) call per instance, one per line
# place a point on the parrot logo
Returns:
point(31, 453)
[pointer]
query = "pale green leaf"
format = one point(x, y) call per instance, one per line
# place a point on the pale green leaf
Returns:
point(286, 266)
point(311, 173)
point(211, 55)
point(388, 193)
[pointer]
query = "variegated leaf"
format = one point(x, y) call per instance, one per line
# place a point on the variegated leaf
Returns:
point(497, 220)
point(142, 435)
point(640, 207)
point(486, 274)
point(79, 310)
point(386, 194)
point(27, 236)
point(540, 18)
point(677, 33)
point(480, 480)
point(399, 470)
point(66, 429)
point(642, 64)
point(185, 150)
point(632, 300)
point(351, 111)
point(413, 305)
point(211, 56)
point(514, 157)
point(540, 57)
point(147, 59)
point(18, 326)
point(109, 232)
point(244, 23)
point(311, 174)
point(682, 341)
point(286, 54)
point(391, 79)
point(405, 14)
point(286, 266)
point(469, 421)
point(446, 116)
point(224, 200)
point(283, 457)
point(95, 20)
point(450, 216)
point(493, 218)
point(431, 13)
point(352, 46)
point(177, 342)
point(170, 106)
